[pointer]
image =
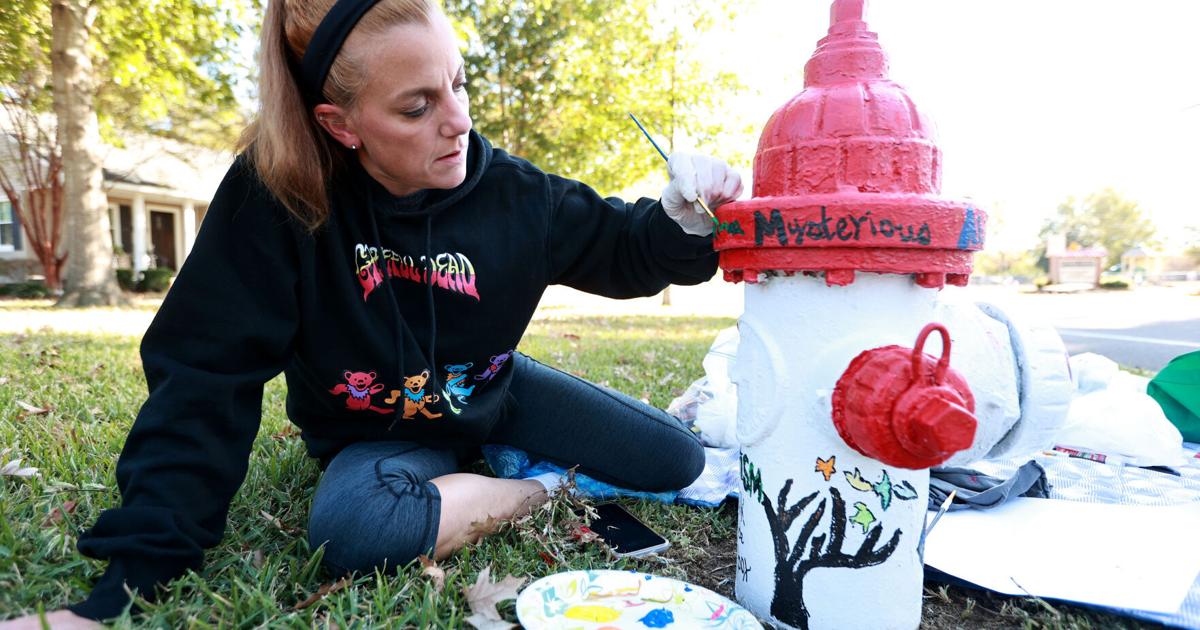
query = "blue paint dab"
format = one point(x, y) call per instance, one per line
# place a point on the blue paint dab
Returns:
point(687, 589)
point(970, 236)
point(649, 577)
point(658, 618)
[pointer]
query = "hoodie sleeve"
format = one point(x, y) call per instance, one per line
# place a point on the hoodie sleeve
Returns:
point(618, 249)
point(224, 329)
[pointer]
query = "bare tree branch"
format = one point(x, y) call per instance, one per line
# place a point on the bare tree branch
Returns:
point(817, 543)
point(867, 555)
point(806, 532)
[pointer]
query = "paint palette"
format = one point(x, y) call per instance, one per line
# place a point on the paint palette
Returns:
point(607, 600)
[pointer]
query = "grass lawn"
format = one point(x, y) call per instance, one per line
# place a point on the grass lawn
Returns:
point(92, 387)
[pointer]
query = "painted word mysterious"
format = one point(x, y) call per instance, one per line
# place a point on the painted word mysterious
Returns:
point(449, 271)
point(733, 227)
point(846, 228)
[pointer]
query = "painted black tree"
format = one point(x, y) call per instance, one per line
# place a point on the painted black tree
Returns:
point(792, 563)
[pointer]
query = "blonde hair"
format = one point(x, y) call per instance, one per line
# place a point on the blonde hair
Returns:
point(293, 156)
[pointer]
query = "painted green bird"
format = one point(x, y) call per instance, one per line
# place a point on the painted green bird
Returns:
point(863, 516)
point(884, 488)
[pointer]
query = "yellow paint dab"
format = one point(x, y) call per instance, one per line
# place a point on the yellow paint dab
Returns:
point(599, 614)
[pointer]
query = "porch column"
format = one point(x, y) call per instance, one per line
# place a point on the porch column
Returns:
point(137, 255)
point(189, 229)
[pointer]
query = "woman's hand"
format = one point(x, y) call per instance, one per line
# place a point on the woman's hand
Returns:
point(698, 176)
point(55, 620)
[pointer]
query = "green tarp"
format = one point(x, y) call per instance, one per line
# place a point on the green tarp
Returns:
point(1177, 390)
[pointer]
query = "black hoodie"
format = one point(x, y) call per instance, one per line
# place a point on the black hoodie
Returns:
point(396, 320)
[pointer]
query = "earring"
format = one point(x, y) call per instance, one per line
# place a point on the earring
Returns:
point(354, 147)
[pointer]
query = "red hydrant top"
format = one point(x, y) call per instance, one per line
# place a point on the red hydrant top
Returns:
point(847, 177)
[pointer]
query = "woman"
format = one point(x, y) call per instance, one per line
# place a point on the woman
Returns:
point(387, 259)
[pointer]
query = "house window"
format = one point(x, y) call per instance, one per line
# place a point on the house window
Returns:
point(10, 233)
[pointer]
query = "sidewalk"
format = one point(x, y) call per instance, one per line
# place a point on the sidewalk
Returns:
point(31, 316)
point(715, 298)
point(712, 299)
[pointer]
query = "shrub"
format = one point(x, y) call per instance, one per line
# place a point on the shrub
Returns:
point(157, 279)
point(125, 279)
point(1117, 285)
point(31, 289)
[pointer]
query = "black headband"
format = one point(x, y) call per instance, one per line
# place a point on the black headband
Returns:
point(325, 44)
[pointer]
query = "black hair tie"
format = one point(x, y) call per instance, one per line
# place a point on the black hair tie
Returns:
point(325, 44)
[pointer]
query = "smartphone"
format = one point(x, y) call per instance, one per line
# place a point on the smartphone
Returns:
point(627, 536)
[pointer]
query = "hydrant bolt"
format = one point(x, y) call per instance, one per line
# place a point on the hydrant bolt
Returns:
point(938, 424)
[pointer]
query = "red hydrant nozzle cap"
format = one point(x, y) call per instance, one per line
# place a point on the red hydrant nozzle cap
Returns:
point(941, 426)
point(903, 407)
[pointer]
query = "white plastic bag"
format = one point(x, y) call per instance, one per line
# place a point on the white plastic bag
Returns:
point(709, 405)
point(1092, 372)
point(1113, 415)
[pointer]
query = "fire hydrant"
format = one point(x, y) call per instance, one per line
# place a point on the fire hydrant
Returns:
point(846, 396)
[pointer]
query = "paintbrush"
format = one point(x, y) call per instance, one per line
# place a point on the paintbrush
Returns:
point(936, 517)
point(664, 157)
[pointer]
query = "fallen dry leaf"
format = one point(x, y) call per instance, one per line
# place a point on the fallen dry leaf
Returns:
point(572, 337)
point(257, 559)
point(325, 589)
point(289, 431)
point(56, 515)
point(31, 409)
point(13, 468)
point(486, 527)
point(583, 533)
point(431, 570)
point(323, 621)
point(274, 520)
point(484, 594)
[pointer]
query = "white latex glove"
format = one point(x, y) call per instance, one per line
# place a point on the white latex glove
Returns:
point(694, 176)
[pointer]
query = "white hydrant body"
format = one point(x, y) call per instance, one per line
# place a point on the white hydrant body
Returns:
point(796, 338)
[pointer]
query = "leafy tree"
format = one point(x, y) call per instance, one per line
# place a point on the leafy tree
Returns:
point(103, 67)
point(91, 280)
point(30, 156)
point(1006, 263)
point(1193, 247)
point(553, 80)
point(1104, 218)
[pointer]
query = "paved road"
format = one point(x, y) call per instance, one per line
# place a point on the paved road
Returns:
point(1150, 346)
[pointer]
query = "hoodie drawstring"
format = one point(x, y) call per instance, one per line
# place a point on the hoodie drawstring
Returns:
point(430, 270)
point(398, 329)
